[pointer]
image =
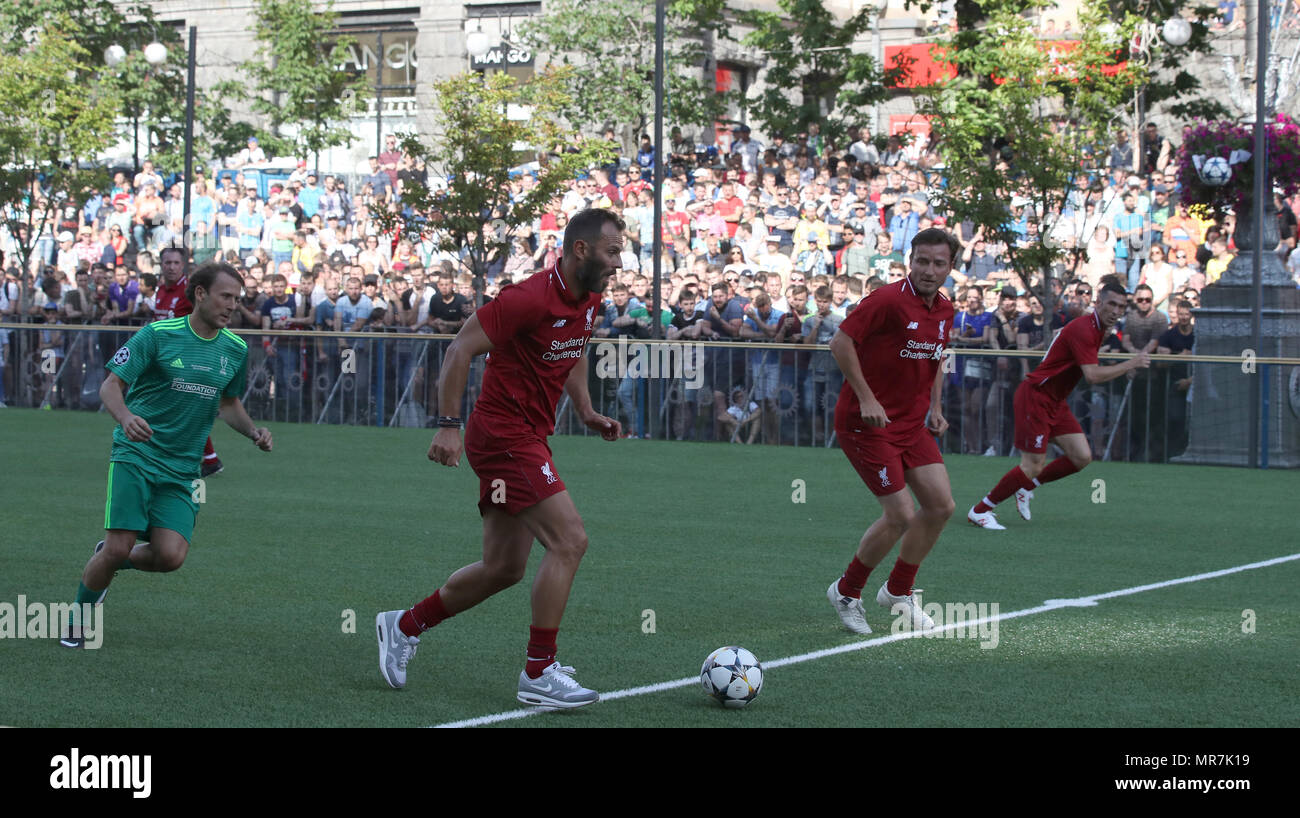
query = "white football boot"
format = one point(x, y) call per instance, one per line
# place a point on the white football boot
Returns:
point(849, 609)
point(904, 606)
point(1022, 502)
point(985, 520)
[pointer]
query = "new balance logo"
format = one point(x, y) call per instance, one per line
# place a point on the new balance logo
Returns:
point(913, 325)
point(560, 323)
point(177, 364)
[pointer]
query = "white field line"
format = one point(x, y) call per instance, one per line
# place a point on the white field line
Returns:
point(967, 625)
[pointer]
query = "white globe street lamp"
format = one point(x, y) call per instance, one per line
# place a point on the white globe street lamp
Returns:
point(477, 43)
point(114, 55)
point(155, 53)
point(1177, 31)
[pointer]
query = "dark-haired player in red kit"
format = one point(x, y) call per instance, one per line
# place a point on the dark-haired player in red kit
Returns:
point(170, 302)
point(1042, 415)
point(536, 332)
point(890, 350)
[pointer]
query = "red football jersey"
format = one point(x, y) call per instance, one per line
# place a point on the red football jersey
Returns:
point(900, 342)
point(1074, 346)
point(539, 330)
point(170, 302)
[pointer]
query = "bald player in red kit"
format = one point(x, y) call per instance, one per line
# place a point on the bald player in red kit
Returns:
point(536, 333)
point(170, 302)
point(890, 349)
point(1042, 414)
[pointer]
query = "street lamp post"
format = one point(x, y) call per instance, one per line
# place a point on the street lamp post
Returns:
point(155, 53)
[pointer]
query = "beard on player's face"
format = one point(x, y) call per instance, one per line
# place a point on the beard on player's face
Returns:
point(592, 274)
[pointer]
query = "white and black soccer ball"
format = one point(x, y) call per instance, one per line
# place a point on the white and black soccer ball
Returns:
point(732, 676)
point(1215, 171)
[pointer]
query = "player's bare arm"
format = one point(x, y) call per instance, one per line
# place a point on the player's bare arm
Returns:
point(845, 353)
point(934, 419)
point(576, 387)
point(112, 395)
point(236, 417)
point(469, 343)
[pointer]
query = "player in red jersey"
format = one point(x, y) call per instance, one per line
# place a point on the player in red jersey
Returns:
point(890, 348)
point(170, 302)
point(1042, 415)
point(536, 332)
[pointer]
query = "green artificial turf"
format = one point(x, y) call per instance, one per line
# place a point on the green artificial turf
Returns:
point(253, 630)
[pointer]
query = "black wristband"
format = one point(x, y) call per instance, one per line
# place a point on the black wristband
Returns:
point(446, 422)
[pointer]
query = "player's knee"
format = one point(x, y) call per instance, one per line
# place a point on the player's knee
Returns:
point(1081, 459)
point(505, 574)
point(169, 561)
point(942, 509)
point(571, 547)
point(899, 519)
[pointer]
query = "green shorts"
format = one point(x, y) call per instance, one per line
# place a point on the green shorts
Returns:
point(138, 501)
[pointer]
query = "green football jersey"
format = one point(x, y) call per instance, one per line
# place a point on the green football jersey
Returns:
point(177, 382)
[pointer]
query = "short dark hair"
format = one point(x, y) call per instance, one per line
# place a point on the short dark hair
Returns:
point(937, 236)
point(1114, 287)
point(587, 225)
point(206, 276)
point(171, 248)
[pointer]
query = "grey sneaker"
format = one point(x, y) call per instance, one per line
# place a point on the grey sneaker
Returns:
point(396, 649)
point(555, 688)
point(849, 609)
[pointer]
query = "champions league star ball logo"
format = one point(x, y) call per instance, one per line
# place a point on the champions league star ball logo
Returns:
point(122, 356)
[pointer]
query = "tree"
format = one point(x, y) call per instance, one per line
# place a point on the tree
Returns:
point(1023, 118)
point(297, 78)
point(58, 117)
point(610, 46)
point(147, 95)
point(811, 52)
point(476, 147)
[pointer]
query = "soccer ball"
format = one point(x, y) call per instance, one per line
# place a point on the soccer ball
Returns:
point(733, 676)
point(1216, 171)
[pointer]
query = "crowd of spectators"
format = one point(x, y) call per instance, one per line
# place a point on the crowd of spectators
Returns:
point(762, 244)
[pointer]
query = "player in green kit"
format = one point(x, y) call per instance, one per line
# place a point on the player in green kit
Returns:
point(182, 374)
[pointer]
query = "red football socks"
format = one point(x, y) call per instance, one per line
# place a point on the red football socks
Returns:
point(541, 650)
point(1007, 486)
point(902, 577)
point(1058, 468)
point(424, 615)
point(209, 453)
point(855, 577)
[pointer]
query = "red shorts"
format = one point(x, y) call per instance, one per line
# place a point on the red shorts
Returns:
point(882, 456)
point(1040, 418)
point(514, 472)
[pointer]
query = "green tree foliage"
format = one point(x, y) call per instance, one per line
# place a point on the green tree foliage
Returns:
point(297, 77)
point(58, 114)
point(477, 143)
point(152, 95)
point(813, 72)
point(610, 46)
point(1022, 119)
